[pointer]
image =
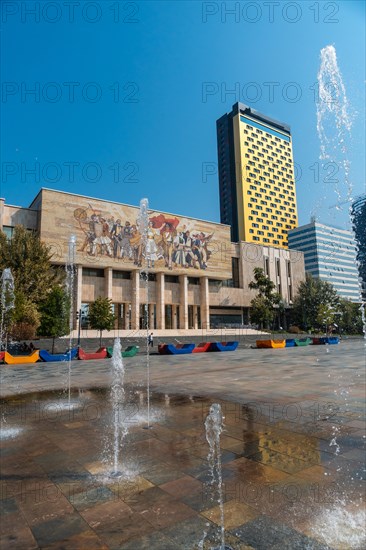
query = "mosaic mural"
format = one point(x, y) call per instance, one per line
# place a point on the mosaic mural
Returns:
point(109, 233)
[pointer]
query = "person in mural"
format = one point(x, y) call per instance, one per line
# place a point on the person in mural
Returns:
point(116, 236)
point(178, 254)
point(203, 248)
point(102, 239)
point(151, 248)
point(189, 257)
point(126, 250)
point(89, 235)
point(167, 238)
point(136, 246)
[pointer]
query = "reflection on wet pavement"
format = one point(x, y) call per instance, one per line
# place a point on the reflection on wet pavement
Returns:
point(285, 486)
point(278, 481)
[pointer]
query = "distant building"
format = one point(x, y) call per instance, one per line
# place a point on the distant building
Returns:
point(330, 254)
point(198, 277)
point(256, 177)
point(358, 212)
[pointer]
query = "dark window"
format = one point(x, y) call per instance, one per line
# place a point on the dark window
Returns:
point(235, 272)
point(121, 275)
point(171, 279)
point(90, 272)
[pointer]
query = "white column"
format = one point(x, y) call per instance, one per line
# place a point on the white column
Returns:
point(135, 302)
point(160, 300)
point(108, 282)
point(174, 315)
point(183, 295)
point(205, 303)
point(195, 318)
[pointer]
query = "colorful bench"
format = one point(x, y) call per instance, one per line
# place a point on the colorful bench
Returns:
point(50, 357)
point(223, 346)
point(20, 359)
point(179, 349)
point(302, 341)
point(202, 347)
point(271, 343)
point(101, 353)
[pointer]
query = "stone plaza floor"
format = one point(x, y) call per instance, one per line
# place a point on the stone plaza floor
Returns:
point(292, 452)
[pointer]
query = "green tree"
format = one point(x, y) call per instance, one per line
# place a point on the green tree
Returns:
point(262, 306)
point(350, 320)
point(26, 318)
point(312, 293)
point(55, 315)
point(325, 316)
point(34, 276)
point(101, 315)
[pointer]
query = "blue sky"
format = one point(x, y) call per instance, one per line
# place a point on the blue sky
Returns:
point(127, 95)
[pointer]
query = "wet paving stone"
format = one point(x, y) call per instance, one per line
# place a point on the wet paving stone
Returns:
point(264, 533)
point(279, 471)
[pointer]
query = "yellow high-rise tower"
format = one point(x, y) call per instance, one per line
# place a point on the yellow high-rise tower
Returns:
point(256, 176)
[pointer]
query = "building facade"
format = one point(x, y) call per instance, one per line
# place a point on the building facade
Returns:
point(189, 275)
point(330, 254)
point(358, 214)
point(256, 177)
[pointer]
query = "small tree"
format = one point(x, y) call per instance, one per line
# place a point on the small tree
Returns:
point(55, 315)
point(325, 316)
point(350, 320)
point(262, 306)
point(312, 293)
point(101, 315)
point(26, 318)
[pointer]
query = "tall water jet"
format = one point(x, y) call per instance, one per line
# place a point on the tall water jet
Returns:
point(143, 224)
point(7, 300)
point(117, 402)
point(214, 425)
point(70, 276)
point(334, 123)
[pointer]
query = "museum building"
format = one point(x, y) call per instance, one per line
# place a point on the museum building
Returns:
point(183, 272)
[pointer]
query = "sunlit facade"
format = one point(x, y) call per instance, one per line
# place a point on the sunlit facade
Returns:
point(256, 177)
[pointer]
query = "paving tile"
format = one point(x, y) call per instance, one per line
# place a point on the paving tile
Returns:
point(22, 537)
point(184, 486)
point(89, 497)
point(59, 530)
point(235, 514)
point(102, 514)
point(264, 533)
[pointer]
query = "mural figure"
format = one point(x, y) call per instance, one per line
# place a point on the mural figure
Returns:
point(125, 236)
point(167, 238)
point(151, 248)
point(136, 246)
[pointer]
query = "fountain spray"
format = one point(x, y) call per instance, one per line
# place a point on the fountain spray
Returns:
point(7, 299)
point(117, 399)
point(143, 223)
point(70, 266)
point(214, 425)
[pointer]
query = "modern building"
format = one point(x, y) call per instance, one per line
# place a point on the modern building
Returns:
point(256, 177)
point(197, 277)
point(330, 254)
point(358, 213)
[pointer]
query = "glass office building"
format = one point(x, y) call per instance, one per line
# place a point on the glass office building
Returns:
point(330, 254)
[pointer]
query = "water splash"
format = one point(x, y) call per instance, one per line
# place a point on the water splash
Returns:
point(214, 426)
point(70, 275)
point(334, 125)
point(120, 429)
point(143, 224)
point(7, 300)
point(340, 528)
